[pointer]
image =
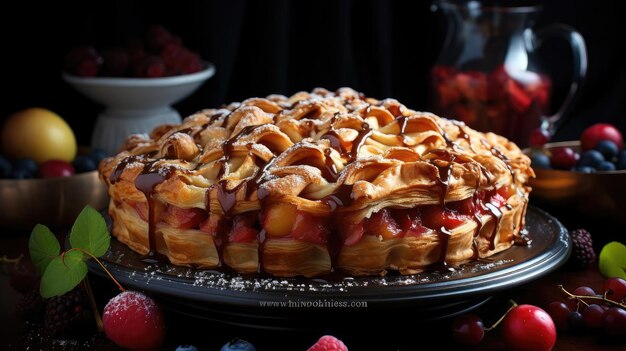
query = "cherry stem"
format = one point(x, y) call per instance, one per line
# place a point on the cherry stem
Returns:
point(513, 305)
point(92, 301)
point(100, 263)
point(582, 298)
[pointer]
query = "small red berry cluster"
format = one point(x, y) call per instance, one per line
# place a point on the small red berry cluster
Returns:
point(160, 54)
point(584, 309)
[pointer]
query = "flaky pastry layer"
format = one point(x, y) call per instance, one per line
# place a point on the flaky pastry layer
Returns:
point(328, 155)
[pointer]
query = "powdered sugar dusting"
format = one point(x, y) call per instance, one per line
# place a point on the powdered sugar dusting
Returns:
point(120, 304)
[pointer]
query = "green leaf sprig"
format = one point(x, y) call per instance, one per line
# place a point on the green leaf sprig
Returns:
point(63, 271)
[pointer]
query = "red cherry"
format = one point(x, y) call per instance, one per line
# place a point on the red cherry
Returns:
point(55, 168)
point(468, 329)
point(563, 158)
point(528, 328)
point(559, 311)
point(584, 291)
point(133, 321)
point(598, 132)
point(539, 137)
point(615, 288)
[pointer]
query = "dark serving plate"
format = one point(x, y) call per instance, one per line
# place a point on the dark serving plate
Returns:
point(276, 303)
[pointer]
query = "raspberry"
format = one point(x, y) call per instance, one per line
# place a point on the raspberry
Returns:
point(30, 304)
point(328, 343)
point(134, 321)
point(65, 313)
point(582, 254)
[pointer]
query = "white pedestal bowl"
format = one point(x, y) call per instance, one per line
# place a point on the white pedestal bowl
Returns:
point(135, 105)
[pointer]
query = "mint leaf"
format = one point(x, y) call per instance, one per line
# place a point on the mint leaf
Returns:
point(43, 247)
point(63, 274)
point(90, 232)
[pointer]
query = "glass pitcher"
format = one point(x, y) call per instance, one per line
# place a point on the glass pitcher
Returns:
point(489, 75)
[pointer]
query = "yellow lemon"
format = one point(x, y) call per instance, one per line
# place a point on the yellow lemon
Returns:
point(39, 134)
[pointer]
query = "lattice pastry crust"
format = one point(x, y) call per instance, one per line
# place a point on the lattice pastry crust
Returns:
point(317, 182)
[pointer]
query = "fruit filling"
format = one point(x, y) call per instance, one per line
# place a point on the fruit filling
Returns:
point(284, 220)
point(496, 101)
point(390, 223)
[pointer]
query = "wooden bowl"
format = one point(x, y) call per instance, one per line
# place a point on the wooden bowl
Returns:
point(55, 202)
point(600, 194)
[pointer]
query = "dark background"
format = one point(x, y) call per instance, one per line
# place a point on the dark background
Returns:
point(383, 48)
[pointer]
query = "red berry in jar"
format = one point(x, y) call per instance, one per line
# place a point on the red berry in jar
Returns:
point(598, 132)
point(563, 158)
point(55, 168)
point(528, 328)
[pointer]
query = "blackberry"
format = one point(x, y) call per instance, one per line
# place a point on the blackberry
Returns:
point(64, 313)
point(582, 254)
point(30, 304)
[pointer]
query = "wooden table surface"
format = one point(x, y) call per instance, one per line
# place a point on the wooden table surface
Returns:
point(391, 334)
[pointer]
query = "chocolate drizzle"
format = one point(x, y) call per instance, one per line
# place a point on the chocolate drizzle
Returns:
point(146, 182)
point(329, 172)
point(497, 214)
point(260, 250)
point(151, 177)
point(358, 142)
point(335, 142)
point(444, 168)
point(444, 239)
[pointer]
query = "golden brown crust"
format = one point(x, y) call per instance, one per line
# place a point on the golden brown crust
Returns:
point(302, 150)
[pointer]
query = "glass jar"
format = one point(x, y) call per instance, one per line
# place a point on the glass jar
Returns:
point(489, 75)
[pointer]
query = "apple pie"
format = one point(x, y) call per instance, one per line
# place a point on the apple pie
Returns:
point(315, 183)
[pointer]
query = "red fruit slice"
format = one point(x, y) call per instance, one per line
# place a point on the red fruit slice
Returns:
point(352, 232)
point(243, 229)
point(184, 218)
point(497, 200)
point(435, 217)
point(410, 220)
point(506, 191)
point(213, 224)
point(308, 227)
point(142, 210)
point(381, 223)
point(518, 97)
point(464, 207)
point(497, 80)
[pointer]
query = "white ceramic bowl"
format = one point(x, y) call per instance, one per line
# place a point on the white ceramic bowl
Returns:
point(135, 105)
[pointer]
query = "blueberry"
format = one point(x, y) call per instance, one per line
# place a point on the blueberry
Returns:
point(84, 164)
point(540, 160)
point(238, 345)
point(20, 173)
point(591, 158)
point(607, 148)
point(606, 166)
point(97, 155)
point(585, 169)
point(5, 167)
point(186, 348)
point(621, 160)
point(27, 164)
